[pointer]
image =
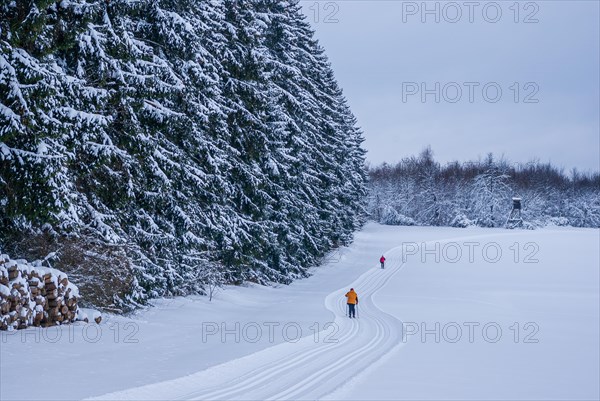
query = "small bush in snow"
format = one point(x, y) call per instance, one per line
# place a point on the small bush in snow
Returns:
point(390, 217)
point(461, 221)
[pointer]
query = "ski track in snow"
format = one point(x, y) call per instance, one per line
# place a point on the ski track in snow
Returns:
point(306, 369)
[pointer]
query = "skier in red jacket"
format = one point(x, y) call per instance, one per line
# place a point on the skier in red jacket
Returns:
point(382, 261)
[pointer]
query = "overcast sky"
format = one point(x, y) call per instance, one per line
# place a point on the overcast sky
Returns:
point(393, 59)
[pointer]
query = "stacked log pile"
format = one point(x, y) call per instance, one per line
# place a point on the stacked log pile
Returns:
point(33, 295)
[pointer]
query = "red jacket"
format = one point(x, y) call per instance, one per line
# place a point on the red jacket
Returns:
point(382, 259)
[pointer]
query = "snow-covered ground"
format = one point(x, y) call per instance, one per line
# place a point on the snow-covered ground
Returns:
point(499, 315)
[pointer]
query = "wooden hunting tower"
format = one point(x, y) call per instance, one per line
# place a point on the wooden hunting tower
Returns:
point(514, 218)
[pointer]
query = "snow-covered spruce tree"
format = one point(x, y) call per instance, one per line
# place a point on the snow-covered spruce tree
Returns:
point(490, 194)
point(319, 114)
point(159, 139)
point(33, 97)
point(273, 118)
point(428, 194)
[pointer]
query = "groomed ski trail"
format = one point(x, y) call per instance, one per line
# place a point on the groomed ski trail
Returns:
point(306, 369)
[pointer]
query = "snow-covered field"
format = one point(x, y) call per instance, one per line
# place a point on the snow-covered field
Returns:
point(457, 314)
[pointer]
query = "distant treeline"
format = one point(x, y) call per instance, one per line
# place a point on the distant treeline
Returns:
point(420, 191)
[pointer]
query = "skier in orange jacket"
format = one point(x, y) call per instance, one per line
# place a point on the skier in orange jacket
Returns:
point(352, 302)
point(382, 261)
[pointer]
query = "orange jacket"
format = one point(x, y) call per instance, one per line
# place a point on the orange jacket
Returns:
point(352, 297)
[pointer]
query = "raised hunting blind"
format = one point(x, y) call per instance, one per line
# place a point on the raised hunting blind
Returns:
point(514, 218)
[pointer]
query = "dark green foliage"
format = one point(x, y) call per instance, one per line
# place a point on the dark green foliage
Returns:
point(187, 134)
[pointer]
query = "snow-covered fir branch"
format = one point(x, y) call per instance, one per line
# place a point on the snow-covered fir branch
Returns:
point(150, 131)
